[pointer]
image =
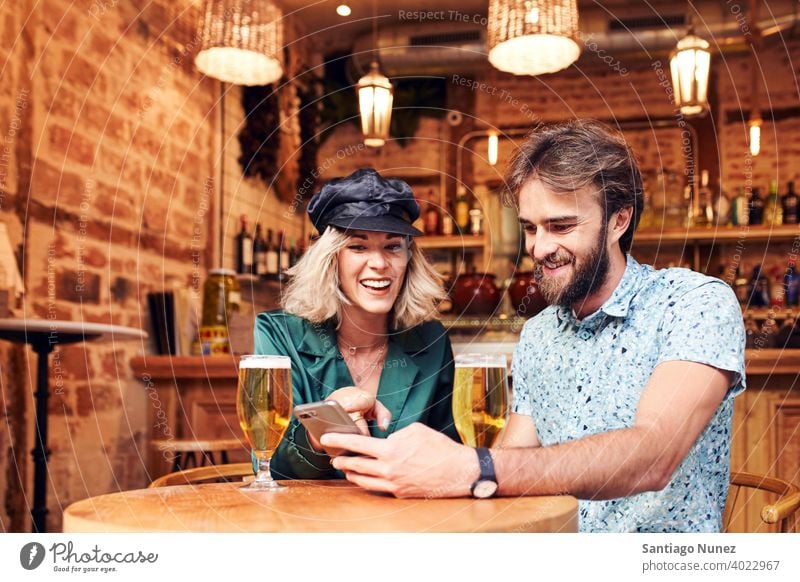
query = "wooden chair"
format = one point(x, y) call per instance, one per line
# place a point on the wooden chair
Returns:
point(212, 473)
point(197, 453)
point(781, 512)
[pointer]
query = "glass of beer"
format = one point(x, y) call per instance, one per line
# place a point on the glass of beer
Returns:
point(264, 407)
point(480, 398)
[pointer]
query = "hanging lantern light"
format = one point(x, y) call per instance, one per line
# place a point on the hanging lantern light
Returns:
point(491, 153)
point(690, 64)
point(375, 96)
point(533, 37)
point(241, 42)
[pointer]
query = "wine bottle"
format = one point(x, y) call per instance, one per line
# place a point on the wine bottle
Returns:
point(271, 258)
point(244, 249)
point(756, 207)
point(790, 202)
point(432, 219)
point(259, 253)
point(283, 256)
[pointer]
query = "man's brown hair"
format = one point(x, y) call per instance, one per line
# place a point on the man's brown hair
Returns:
point(569, 156)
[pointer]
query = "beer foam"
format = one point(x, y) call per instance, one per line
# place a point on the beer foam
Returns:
point(480, 361)
point(266, 362)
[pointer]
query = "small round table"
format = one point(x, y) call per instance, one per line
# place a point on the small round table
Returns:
point(312, 506)
point(44, 335)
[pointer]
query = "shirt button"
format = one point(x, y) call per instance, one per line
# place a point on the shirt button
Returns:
point(584, 334)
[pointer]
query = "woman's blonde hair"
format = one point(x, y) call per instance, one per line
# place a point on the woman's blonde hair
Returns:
point(313, 292)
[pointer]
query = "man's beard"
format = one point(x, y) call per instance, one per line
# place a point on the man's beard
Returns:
point(588, 277)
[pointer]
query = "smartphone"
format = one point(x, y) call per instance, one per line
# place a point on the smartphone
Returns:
point(322, 417)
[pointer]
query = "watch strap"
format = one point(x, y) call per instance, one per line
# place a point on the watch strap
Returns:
point(486, 465)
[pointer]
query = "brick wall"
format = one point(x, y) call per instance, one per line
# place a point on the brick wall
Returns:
point(111, 189)
point(15, 106)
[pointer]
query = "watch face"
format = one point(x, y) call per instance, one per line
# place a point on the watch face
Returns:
point(484, 489)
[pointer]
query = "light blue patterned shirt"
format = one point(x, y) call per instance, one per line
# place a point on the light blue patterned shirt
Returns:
point(577, 378)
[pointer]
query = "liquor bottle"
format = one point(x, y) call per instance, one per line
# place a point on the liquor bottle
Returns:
point(476, 221)
point(791, 286)
point(740, 210)
point(462, 211)
point(673, 216)
point(647, 218)
point(689, 204)
point(756, 207)
point(778, 291)
point(431, 218)
point(788, 336)
point(769, 333)
point(283, 256)
point(773, 209)
point(448, 221)
point(741, 286)
point(751, 331)
point(721, 206)
point(244, 249)
point(271, 258)
point(705, 203)
point(759, 283)
point(259, 253)
point(790, 202)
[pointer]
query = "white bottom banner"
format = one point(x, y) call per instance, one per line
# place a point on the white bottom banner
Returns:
point(390, 557)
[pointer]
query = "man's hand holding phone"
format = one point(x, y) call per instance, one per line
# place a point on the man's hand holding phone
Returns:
point(345, 410)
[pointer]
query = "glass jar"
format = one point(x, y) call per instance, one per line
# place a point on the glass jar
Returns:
point(221, 296)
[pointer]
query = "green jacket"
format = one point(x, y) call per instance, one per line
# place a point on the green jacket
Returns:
point(416, 383)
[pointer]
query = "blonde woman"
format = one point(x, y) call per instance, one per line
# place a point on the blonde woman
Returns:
point(358, 321)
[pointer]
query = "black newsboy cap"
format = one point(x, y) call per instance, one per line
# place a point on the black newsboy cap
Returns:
point(365, 200)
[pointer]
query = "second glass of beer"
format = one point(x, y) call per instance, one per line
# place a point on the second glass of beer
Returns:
point(480, 398)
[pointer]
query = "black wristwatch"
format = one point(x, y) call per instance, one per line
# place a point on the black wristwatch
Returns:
point(486, 485)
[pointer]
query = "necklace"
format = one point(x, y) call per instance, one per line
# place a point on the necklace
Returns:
point(353, 349)
point(359, 376)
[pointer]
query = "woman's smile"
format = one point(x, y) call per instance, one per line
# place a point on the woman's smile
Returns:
point(377, 286)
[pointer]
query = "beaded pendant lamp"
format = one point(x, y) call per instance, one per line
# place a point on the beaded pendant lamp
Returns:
point(241, 42)
point(533, 37)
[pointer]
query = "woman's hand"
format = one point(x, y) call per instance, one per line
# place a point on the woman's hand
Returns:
point(362, 406)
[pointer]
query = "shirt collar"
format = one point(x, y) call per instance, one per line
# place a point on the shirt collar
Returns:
point(615, 306)
point(618, 304)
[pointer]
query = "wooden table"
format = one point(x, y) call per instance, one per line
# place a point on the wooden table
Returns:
point(312, 506)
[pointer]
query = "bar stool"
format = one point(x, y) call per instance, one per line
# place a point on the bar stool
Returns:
point(196, 453)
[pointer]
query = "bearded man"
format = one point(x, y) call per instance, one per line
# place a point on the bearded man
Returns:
point(623, 386)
